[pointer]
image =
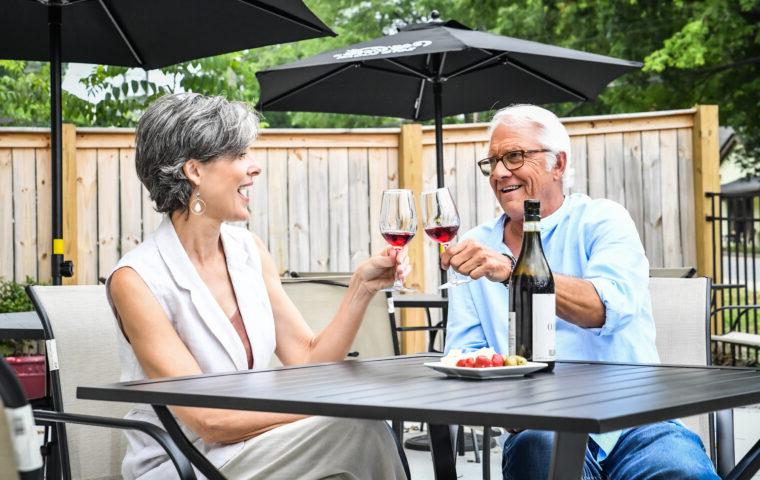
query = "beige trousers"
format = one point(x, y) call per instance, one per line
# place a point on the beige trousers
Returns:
point(319, 448)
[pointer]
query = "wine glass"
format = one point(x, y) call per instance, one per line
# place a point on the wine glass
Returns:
point(398, 224)
point(441, 221)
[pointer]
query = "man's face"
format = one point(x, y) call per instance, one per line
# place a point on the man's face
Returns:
point(531, 180)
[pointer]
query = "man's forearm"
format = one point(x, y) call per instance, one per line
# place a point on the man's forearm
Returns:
point(578, 302)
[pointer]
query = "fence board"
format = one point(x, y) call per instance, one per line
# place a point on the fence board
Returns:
point(44, 215)
point(340, 260)
point(24, 204)
point(352, 168)
point(358, 206)
point(87, 216)
point(378, 181)
point(595, 155)
point(579, 163)
point(129, 194)
point(686, 197)
point(278, 207)
point(298, 209)
point(466, 199)
point(651, 169)
point(614, 167)
point(258, 195)
point(6, 214)
point(634, 188)
point(108, 209)
point(487, 205)
point(319, 210)
point(671, 228)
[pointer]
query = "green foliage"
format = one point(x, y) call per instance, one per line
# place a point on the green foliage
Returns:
point(13, 298)
point(696, 51)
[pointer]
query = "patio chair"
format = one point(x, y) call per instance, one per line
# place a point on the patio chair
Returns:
point(317, 296)
point(82, 350)
point(681, 311)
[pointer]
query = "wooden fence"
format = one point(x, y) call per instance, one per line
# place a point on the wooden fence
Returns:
point(316, 204)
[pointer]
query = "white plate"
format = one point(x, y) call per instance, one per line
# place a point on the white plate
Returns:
point(485, 373)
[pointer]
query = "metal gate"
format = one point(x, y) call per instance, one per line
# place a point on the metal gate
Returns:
point(735, 220)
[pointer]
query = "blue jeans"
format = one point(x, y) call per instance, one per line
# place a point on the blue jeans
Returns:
point(665, 450)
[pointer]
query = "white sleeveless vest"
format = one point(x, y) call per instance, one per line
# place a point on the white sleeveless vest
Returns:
point(163, 264)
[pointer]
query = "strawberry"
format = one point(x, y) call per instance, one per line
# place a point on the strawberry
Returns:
point(469, 362)
point(497, 360)
point(482, 362)
point(462, 362)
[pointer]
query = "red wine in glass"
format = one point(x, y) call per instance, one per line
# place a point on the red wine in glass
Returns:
point(398, 224)
point(442, 234)
point(397, 239)
point(441, 221)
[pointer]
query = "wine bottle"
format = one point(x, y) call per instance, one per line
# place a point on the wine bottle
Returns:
point(532, 303)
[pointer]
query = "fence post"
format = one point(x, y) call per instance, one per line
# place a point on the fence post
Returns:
point(70, 217)
point(410, 176)
point(706, 167)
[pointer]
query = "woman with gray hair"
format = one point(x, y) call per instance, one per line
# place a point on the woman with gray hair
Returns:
point(202, 296)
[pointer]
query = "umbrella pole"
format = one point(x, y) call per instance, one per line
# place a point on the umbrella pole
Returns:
point(54, 27)
point(438, 110)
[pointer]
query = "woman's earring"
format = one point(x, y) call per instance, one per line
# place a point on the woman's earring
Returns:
point(197, 206)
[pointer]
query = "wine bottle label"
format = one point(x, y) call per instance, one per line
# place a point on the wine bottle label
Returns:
point(544, 332)
point(512, 335)
point(531, 227)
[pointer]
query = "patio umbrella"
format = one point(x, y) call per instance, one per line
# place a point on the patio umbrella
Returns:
point(138, 33)
point(434, 69)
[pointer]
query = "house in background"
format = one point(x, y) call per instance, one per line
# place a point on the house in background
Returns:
point(740, 193)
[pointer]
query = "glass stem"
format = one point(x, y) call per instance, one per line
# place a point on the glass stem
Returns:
point(397, 283)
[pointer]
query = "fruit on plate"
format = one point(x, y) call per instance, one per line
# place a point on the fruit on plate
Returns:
point(483, 358)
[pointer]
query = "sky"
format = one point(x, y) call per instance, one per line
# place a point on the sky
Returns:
point(77, 71)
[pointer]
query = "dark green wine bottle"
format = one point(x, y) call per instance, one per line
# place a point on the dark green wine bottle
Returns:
point(532, 303)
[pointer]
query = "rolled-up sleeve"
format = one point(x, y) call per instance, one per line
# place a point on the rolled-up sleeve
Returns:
point(617, 267)
point(463, 330)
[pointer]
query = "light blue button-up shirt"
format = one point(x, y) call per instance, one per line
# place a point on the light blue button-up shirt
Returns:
point(591, 239)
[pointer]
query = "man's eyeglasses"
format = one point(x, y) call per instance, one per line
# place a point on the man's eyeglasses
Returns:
point(512, 160)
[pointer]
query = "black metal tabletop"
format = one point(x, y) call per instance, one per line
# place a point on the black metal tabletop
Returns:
point(577, 399)
point(21, 325)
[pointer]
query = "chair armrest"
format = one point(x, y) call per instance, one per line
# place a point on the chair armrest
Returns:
point(181, 463)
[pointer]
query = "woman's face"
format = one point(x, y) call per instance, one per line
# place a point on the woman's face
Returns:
point(225, 185)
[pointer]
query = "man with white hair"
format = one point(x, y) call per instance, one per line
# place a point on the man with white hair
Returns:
point(602, 299)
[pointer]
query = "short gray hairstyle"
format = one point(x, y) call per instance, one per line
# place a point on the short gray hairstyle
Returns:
point(180, 127)
point(553, 135)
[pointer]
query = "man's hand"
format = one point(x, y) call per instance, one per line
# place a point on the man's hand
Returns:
point(475, 260)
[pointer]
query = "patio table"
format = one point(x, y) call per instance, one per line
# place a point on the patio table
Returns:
point(21, 325)
point(577, 399)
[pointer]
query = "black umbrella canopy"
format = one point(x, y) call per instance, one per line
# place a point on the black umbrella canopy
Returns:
point(137, 33)
point(152, 33)
point(395, 75)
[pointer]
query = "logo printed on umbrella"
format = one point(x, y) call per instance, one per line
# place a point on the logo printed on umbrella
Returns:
point(382, 50)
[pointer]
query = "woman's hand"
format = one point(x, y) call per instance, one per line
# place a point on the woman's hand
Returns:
point(379, 271)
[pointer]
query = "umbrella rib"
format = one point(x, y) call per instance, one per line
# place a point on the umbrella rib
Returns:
point(475, 65)
point(418, 101)
point(545, 79)
point(417, 73)
point(304, 86)
point(387, 70)
point(284, 15)
point(122, 34)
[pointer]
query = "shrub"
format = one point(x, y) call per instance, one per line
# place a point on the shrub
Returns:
point(13, 298)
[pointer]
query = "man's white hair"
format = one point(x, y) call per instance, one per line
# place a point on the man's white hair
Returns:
point(553, 135)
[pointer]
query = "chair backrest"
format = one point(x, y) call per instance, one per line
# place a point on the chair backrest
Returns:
point(81, 323)
point(318, 298)
point(681, 311)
